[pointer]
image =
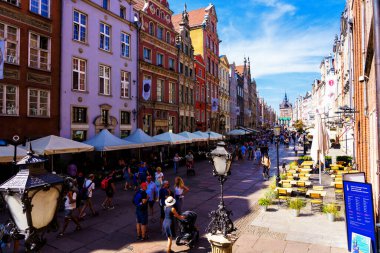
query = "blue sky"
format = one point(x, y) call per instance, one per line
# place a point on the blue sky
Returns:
point(285, 40)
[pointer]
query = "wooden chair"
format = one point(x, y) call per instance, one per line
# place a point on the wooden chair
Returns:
point(282, 196)
point(301, 188)
point(286, 185)
point(316, 202)
point(339, 191)
point(318, 187)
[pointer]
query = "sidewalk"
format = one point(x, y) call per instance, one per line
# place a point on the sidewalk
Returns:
point(114, 230)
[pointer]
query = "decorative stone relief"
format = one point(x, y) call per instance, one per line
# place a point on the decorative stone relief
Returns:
point(37, 78)
point(80, 50)
point(26, 19)
point(11, 74)
point(80, 99)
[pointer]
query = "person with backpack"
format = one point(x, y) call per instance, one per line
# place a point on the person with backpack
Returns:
point(265, 161)
point(108, 186)
point(88, 188)
point(140, 200)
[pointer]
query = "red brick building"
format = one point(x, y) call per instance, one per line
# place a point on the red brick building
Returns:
point(29, 92)
point(158, 109)
point(204, 35)
point(200, 94)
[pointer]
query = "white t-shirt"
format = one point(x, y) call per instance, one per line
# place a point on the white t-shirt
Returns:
point(159, 176)
point(68, 205)
point(178, 191)
point(91, 187)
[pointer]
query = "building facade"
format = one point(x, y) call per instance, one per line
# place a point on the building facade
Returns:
point(158, 90)
point(233, 96)
point(286, 112)
point(186, 72)
point(100, 59)
point(30, 89)
point(200, 94)
point(224, 94)
point(204, 35)
point(239, 99)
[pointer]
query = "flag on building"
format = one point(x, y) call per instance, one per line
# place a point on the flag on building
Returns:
point(2, 58)
point(147, 84)
point(214, 104)
point(237, 110)
point(331, 90)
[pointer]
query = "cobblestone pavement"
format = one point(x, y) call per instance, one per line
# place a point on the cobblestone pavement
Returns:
point(114, 230)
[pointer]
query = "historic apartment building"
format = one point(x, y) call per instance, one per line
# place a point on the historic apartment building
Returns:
point(286, 112)
point(158, 90)
point(233, 96)
point(204, 35)
point(200, 94)
point(186, 72)
point(99, 64)
point(29, 91)
point(224, 94)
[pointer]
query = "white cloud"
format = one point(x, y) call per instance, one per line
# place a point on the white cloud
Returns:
point(278, 43)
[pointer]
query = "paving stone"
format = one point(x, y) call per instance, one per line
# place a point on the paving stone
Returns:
point(296, 247)
point(269, 245)
point(338, 250)
point(315, 248)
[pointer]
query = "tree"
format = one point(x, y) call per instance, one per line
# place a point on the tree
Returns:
point(299, 126)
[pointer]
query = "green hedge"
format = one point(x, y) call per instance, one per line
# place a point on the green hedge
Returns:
point(344, 158)
point(305, 158)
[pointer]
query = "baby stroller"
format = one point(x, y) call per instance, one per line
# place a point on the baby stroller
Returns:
point(189, 234)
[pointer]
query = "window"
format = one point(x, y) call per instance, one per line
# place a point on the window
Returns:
point(172, 124)
point(160, 32)
point(208, 64)
point(125, 118)
point(160, 90)
point(180, 95)
point(8, 99)
point(14, 2)
point(105, 36)
point(104, 80)
point(180, 67)
point(147, 54)
point(11, 36)
point(38, 103)
point(186, 99)
point(186, 49)
point(41, 7)
point(79, 135)
point(80, 26)
point(186, 71)
point(124, 133)
point(39, 51)
point(160, 59)
point(79, 115)
point(172, 93)
point(125, 84)
point(79, 74)
point(197, 93)
point(105, 116)
point(151, 28)
point(191, 94)
point(105, 4)
point(168, 39)
point(123, 12)
point(171, 64)
point(125, 45)
point(190, 72)
point(200, 72)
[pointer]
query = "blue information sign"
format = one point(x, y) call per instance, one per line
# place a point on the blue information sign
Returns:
point(359, 212)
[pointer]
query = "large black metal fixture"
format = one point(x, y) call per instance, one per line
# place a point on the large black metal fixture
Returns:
point(277, 132)
point(220, 218)
point(32, 197)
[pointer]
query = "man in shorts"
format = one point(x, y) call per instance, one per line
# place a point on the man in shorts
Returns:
point(141, 202)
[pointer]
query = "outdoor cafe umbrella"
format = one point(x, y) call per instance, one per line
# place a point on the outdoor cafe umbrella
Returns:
point(105, 141)
point(7, 153)
point(236, 132)
point(320, 144)
point(192, 136)
point(172, 138)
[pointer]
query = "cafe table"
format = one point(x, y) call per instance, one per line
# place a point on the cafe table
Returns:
point(323, 193)
point(307, 163)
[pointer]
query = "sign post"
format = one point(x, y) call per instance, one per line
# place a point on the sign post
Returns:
point(360, 220)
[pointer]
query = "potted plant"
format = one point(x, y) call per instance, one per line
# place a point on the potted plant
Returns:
point(296, 205)
point(264, 203)
point(332, 211)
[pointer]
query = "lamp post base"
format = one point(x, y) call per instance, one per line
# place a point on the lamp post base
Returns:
point(220, 243)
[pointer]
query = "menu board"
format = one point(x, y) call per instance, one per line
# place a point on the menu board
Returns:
point(359, 211)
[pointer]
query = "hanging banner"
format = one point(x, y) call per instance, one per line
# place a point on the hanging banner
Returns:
point(2, 58)
point(237, 110)
point(214, 105)
point(147, 86)
point(331, 90)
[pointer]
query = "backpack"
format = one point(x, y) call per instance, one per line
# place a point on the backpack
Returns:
point(84, 191)
point(104, 183)
point(137, 198)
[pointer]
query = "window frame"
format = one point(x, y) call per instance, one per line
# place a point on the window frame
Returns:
point(126, 44)
point(7, 40)
point(105, 4)
point(80, 72)
point(171, 63)
point(39, 103)
point(125, 85)
point(151, 28)
point(73, 117)
point(160, 95)
point(105, 36)
point(172, 92)
point(80, 25)
point(160, 59)
point(39, 50)
point(128, 121)
point(4, 100)
point(106, 80)
point(39, 11)
point(146, 49)
point(10, 2)
point(123, 12)
point(160, 32)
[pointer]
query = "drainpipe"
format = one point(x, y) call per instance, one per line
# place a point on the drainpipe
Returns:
point(362, 7)
point(376, 19)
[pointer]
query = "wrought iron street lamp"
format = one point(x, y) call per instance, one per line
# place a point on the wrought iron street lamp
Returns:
point(32, 197)
point(220, 219)
point(277, 132)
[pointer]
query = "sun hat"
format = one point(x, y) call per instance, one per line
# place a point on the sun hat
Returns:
point(170, 201)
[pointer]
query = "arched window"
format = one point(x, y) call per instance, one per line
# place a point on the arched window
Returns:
point(168, 37)
point(158, 12)
point(151, 28)
point(162, 15)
